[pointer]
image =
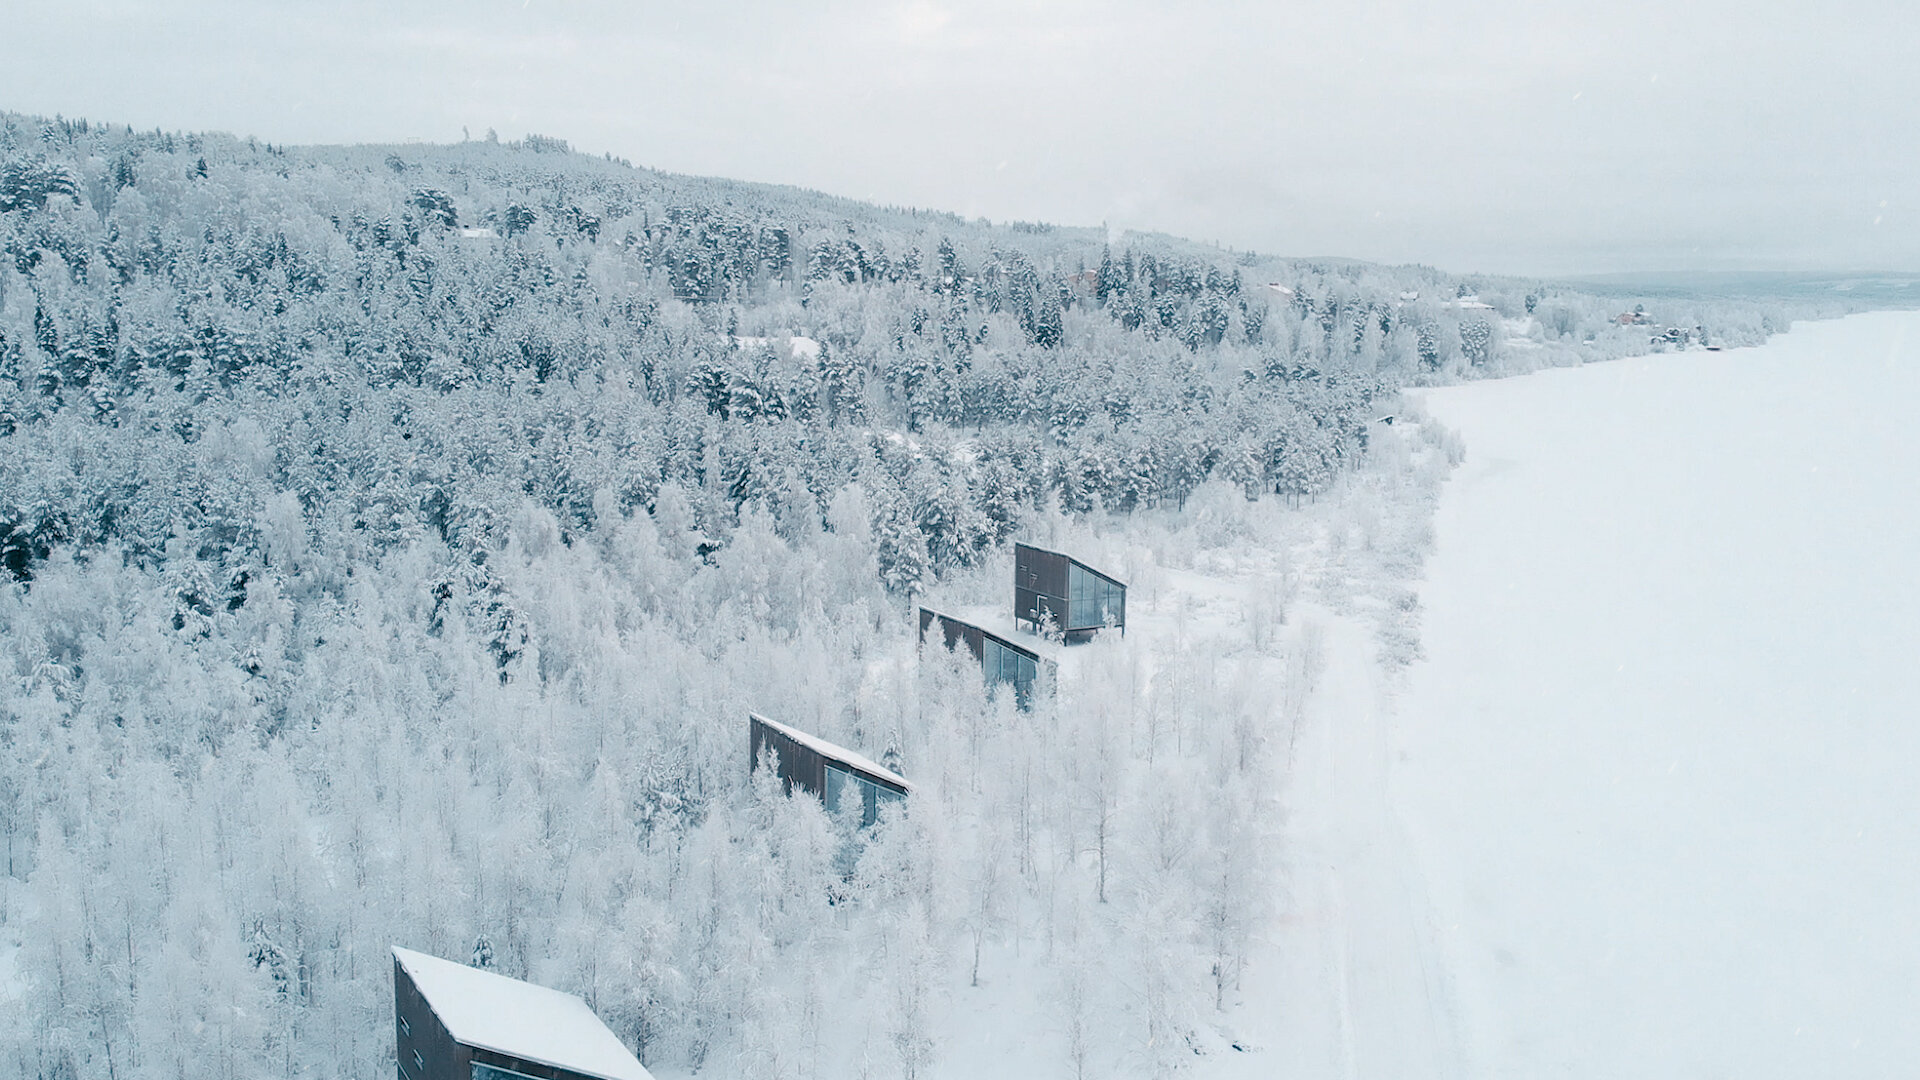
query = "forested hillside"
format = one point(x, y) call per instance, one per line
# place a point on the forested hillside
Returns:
point(446, 332)
point(395, 539)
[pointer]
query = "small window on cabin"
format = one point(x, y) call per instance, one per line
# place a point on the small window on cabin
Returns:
point(405, 1028)
point(419, 1061)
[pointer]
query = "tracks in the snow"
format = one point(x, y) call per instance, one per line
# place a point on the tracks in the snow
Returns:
point(1387, 1006)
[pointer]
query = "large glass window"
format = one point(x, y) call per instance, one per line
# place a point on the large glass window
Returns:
point(846, 785)
point(837, 781)
point(883, 797)
point(1003, 665)
point(1113, 602)
point(1092, 600)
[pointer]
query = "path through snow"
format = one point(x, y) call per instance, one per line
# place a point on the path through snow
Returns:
point(1353, 987)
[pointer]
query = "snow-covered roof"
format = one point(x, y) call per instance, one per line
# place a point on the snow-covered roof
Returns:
point(478, 232)
point(1000, 624)
point(519, 1019)
point(838, 753)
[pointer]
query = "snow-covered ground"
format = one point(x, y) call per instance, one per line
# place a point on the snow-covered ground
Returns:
point(1646, 809)
point(1649, 805)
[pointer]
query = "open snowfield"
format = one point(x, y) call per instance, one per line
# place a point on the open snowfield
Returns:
point(1655, 780)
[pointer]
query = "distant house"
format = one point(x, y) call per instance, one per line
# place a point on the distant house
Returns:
point(832, 773)
point(1076, 598)
point(1001, 660)
point(453, 1022)
point(478, 232)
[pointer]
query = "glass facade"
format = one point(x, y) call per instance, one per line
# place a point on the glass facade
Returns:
point(842, 784)
point(1092, 599)
point(1006, 666)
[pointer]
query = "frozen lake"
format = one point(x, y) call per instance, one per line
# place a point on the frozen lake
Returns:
point(1657, 775)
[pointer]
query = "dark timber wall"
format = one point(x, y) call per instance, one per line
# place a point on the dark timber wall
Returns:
point(825, 771)
point(1042, 588)
point(418, 1031)
point(424, 1046)
point(1039, 586)
point(796, 763)
point(953, 631)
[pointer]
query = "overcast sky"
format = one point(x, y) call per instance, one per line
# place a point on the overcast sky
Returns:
point(1524, 136)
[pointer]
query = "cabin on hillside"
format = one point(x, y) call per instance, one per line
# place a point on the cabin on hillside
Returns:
point(833, 774)
point(453, 1022)
point(1001, 660)
point(1076, 598)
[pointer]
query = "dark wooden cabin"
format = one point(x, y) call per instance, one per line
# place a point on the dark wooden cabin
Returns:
point(1079, 599)
point(1001, 660)
point(453, 1022)
point(818, 767)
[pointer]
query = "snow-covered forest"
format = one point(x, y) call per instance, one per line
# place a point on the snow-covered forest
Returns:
point(396, 539)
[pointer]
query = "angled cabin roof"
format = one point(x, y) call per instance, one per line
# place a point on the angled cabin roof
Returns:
point(1063, 555)
point(928, 616)
point(518, 1019)
point(838, 754)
